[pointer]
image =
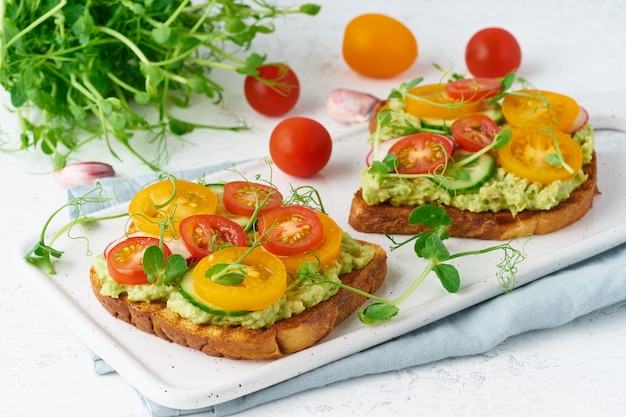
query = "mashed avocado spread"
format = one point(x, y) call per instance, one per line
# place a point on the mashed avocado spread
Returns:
point(504, 191)
point(298, 297)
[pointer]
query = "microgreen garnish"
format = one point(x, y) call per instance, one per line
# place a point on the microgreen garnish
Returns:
point(428, 245)
point(43, 252)
point(163, 271)
point(85, 65)
point(556, 159)
point(305, 195)
point(454, 167)
point(228, 274)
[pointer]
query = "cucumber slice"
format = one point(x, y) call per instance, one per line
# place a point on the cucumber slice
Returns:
point(438, 124)
point(493, 112)
point(186, 290)
point(479, 171)
point(217, 188)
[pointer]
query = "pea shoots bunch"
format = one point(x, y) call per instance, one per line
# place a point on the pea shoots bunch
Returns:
point(89, 67)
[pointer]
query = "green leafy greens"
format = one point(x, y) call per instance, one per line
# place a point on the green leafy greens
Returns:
point(87, 66)
point(429, 245)
point(42, 253)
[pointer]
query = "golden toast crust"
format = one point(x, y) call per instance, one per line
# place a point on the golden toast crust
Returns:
point(236, 342)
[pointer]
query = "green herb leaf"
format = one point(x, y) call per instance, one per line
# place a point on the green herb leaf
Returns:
point(449, 277)
point(226, 274)
point(434, 249)
point(554, 160)
point(153, 262)
point(377, 312)
point(428, 215)
point(161, 34)
point(310, 9)
point(175, 267)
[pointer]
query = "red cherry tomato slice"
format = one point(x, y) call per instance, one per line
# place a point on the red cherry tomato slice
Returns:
point(289, 230)
point(274, 92)
point(125, 260)
point(204, 234)
point(422, 153)
point(474, 132)
point(242, 197)
point(473, 89)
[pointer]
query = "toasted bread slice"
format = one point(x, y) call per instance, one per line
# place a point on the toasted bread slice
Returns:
point(502, 225)
point(236, 342)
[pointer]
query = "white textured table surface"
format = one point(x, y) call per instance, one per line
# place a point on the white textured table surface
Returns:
point(577, 369)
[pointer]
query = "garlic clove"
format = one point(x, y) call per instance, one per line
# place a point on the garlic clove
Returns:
point(349, 106)
point(82, 173)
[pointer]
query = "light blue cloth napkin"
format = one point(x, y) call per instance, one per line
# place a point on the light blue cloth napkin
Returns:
point(549, 302)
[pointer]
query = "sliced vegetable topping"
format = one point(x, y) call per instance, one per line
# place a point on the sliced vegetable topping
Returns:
point(167, 202)
point(125, 259)
point(541, 155)
point(540, 108)
point(473, 89)
point(422, 153)
point(243, 198)
point(472, 176)
point(264, 279)
point(290, 229)
point(324, 253)
point(474, 132)
point(206, 233)
point(432, 101)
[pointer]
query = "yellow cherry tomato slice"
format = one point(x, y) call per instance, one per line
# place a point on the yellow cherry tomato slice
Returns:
point(540, 108)
point(265, 280)
point(432, 102)
point(526, 155)
point(169, 201)
point(325, 252)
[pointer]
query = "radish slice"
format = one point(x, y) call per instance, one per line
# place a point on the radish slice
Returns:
point(383, 149)
point(580, 122)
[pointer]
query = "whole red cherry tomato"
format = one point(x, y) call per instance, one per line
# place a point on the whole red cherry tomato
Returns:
point(492, 53)
point(300, 146)
point(275, 90)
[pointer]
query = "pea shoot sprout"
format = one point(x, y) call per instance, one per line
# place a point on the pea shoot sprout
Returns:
point(42, 252)
point(427, 245)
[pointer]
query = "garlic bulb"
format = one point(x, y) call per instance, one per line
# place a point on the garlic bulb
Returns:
point(83, 173)
point(349, 106)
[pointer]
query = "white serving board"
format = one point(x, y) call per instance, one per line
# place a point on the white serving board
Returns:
point(183, 378)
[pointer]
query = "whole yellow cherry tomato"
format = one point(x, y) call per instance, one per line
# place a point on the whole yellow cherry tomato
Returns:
point(378, 46)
